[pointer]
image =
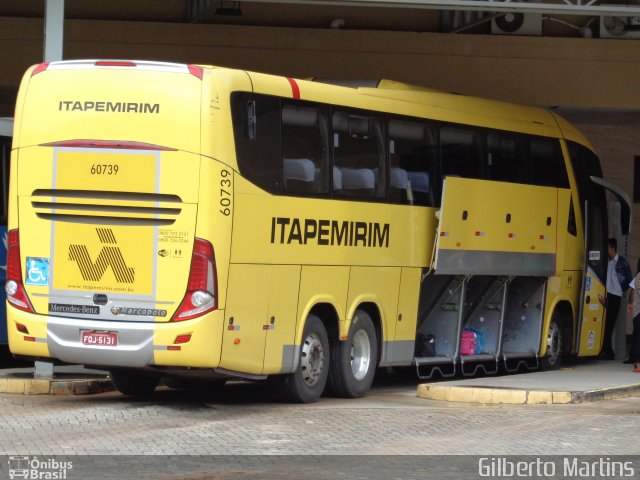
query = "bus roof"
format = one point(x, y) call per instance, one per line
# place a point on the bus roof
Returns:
point(411, 100)
point(386, 96)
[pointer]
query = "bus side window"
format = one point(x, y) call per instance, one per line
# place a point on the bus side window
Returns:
point(506, 158)
point(305, 152)
point(460, 153)
point(585, 164)
point(359, 154)
point(572, 228)
point(547, 164)
point(412, 159)
point(256, 131)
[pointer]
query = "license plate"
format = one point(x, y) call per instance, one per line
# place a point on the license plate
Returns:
point(105, 339)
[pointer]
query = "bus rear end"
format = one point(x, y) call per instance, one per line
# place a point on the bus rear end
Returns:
point(107, 265)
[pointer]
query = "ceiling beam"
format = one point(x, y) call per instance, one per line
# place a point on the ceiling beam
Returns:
point(565, 8)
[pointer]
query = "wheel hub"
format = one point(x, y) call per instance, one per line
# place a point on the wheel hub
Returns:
point(360, 354)
point(312, 359)
point(553, 343)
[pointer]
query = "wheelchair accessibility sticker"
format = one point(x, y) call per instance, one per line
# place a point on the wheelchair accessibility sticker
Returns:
point(37, 271)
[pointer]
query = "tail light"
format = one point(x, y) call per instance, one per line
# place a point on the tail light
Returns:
point(14, 287)
point(202, 286)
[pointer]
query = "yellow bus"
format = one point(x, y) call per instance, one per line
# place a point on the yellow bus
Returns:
point(195, 224)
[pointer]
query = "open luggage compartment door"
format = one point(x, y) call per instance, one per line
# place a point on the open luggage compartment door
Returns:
point(496, 228)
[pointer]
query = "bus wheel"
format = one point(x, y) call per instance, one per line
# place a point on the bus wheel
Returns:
point(553, 359)
point(133, 383)
point(353, 362)
point(306, 384)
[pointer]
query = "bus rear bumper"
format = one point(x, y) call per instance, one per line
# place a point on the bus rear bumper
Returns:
point(192, 343)
point(134, 346)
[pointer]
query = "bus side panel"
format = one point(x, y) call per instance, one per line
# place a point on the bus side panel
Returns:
point(280, 322)
point(202, 350)
point(593, 315)
point(402, 348)
point(215, 214)
point(322, 285)
point(243, 339)
point(380, 287)
point(308, 231)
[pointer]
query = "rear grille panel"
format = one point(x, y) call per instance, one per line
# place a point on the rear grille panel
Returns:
point(106, 207)
point(107, 195)
point(93, 220)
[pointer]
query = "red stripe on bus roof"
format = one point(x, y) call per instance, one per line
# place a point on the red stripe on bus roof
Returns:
point(295, 90)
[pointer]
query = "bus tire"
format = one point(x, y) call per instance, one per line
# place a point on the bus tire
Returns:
point(307, 383)
point(134, 384)
point(555, 345)
point(353, 362)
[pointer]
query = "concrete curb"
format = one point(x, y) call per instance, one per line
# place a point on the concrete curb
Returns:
point(31, 386)
point(496, 395)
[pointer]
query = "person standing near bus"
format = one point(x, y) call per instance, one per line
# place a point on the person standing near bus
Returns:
point(618, 279)
point(633, 307)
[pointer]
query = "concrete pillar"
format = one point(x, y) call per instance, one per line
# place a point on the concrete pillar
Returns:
point(6, 127)
point(53, 30)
